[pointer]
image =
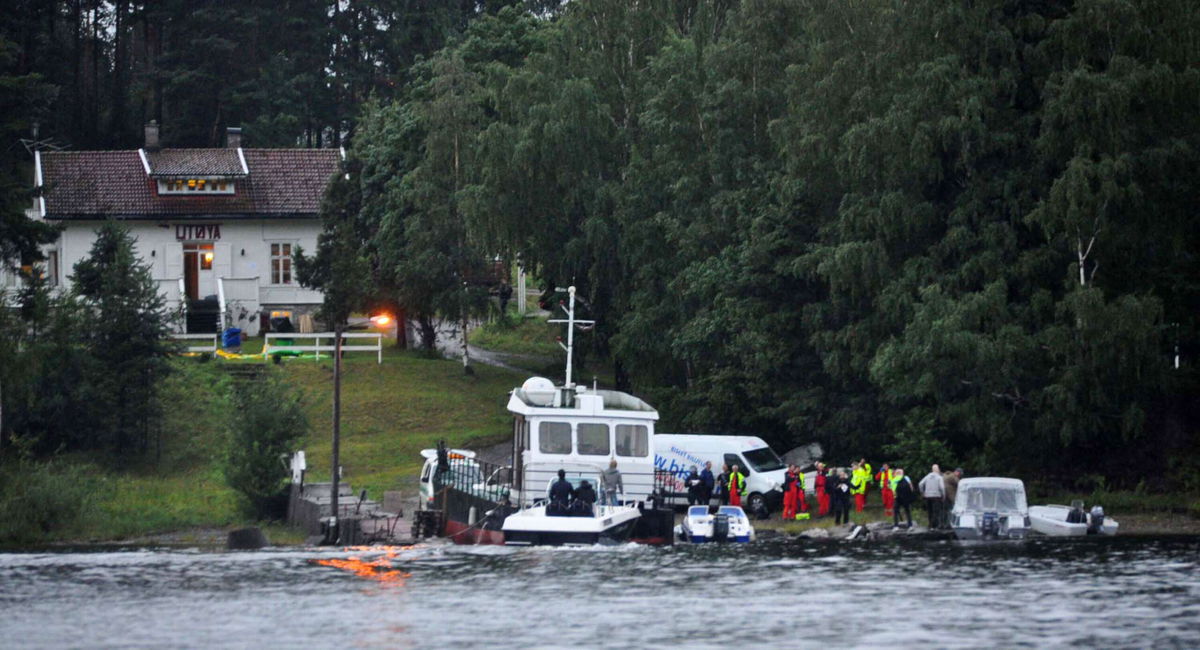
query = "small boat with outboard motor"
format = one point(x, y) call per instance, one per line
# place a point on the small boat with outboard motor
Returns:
point(1071, 521)
point(990, 508)
point(704, 524)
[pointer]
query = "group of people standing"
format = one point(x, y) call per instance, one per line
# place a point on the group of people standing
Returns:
point(835, 490)
point(702, 487)
point(939, 490)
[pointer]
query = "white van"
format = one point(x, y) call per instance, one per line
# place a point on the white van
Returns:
point(677, 452)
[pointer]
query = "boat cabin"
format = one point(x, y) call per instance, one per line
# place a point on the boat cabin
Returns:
point(576, 428)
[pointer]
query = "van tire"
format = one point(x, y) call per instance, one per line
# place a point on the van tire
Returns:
point(755, 502)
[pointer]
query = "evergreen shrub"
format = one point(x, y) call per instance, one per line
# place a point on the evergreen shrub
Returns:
point(264, 428)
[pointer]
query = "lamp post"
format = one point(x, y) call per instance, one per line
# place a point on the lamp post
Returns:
point(379, 320)
point(337, 426)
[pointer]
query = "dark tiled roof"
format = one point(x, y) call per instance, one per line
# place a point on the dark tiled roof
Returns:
point(194, 162)
point(100, 184)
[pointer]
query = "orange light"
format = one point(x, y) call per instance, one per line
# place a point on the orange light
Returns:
point(381, 320)
point(191, 182)
point(208, 257)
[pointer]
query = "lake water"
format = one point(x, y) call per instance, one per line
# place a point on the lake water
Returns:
point(1117, 592)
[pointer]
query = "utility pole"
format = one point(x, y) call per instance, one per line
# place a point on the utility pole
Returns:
point(337, 426)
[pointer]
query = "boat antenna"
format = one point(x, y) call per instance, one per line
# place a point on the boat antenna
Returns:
point(571, 322)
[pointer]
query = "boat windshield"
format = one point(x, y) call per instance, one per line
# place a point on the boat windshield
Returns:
point(994, 499)
point(763, 460)
point(732, 511)
point(698, 511)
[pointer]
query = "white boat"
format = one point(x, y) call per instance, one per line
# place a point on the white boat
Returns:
point(727, 524)
point(1053, 520)
point(990, 508)
point(534, 526)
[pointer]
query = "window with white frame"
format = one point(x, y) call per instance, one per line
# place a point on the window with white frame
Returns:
point(196, 186)
point(281, 263)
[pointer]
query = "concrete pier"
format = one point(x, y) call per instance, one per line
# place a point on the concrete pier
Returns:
point(360, 522)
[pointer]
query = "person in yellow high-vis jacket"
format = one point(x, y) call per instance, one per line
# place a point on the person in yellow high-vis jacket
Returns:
point(884, 478)
point(858, 485)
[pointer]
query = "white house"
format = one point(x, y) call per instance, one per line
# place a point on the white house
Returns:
point(218, 227)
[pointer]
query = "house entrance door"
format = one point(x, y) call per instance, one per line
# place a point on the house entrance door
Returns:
point(198, 277)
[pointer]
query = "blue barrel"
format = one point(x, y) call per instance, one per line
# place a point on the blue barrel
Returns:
point(231, 338)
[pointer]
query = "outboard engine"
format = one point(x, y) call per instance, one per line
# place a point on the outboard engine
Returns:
point(1097, 521)
point(989, 525)
point(720, 528)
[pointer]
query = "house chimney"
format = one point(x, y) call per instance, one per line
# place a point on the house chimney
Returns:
point(152, 143)
point(233, 137)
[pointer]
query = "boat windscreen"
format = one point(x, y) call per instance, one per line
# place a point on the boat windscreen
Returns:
point(698, 511)
point(995, 499)
point(763, 460)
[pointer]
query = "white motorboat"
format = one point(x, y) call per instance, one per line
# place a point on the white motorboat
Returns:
point(534, 526)
point(990, 508)
point(727, 524)
point(1057, 521)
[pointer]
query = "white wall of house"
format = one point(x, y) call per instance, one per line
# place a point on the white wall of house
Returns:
point(242, 258)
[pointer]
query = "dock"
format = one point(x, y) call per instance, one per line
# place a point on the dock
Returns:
point(361, 521)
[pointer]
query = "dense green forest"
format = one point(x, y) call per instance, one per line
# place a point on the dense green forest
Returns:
point(961, 231)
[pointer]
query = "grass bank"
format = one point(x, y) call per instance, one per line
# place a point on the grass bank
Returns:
point(516, 335)
point(177, 493)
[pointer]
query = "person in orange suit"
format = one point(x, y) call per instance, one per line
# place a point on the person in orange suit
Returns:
point(884, 480)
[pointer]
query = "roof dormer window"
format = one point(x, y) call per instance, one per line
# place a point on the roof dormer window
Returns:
point(195, 186)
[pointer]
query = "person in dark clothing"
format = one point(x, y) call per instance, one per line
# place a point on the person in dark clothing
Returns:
point(505, 294)
point(561, 493)
point(585, 497)
point(904, 495)
point(841, 498)
point(694, 486)
point(830, 487)
point(707, 481)
point(723, 485)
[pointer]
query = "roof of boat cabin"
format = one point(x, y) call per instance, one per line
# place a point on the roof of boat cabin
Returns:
point(615, 403)
point(991, 482)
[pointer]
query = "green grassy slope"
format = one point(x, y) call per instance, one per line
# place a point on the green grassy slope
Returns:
point(390, 412)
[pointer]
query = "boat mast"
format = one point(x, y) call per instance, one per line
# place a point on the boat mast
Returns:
point(571, 322)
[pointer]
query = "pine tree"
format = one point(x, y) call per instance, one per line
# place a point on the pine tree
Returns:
point(125, 332)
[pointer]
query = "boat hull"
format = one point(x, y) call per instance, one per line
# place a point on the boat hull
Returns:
point(462, 533)
point(974, 534)
point(1052, 521)
point(618, 534)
